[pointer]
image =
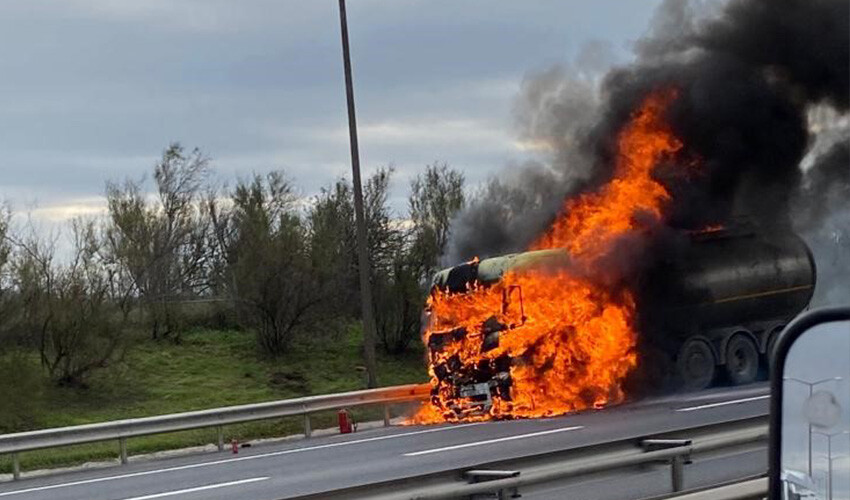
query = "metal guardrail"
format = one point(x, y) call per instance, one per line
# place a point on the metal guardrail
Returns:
point(675, 455)
point(481, 479)
point(563, 465)
point(121, 430)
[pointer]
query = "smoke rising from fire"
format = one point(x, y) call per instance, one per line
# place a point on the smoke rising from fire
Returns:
point(747, 72)
point(822, 217)
point(554, 111)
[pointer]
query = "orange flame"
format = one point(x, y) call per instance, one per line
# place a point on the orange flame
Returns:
point(593, 221)
point(574, 343)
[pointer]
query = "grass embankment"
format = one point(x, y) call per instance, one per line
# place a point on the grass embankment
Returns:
point(210, 369)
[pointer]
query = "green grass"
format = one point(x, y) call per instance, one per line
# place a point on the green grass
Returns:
point(211, 369)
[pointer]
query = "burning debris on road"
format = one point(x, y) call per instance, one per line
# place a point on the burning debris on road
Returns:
point(707, 126)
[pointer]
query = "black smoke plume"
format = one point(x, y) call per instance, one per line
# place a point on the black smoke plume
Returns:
point(747, 74)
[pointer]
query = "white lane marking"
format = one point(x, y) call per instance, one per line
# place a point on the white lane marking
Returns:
point(232, 460)
point(724, 403)
point(491, 441)
point(199, 488)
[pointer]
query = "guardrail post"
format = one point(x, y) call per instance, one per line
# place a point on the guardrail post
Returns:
point(386, 415)
point(16, 466)
point(220, 431)
point(677, 469)
point(122, 444)
point(508, 493)
point(480, 476)
point(307, 429)
point(677, 463)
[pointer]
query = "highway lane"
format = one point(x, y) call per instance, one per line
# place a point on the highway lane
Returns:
point(272, 472)
point(653, 481)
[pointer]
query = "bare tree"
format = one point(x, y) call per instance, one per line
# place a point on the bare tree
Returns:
point(162, 245)
point(435, 198)
point(333, 250)
point(20, 376)
point(399, 299)
point(384, 235)
point(268, 263)
point(333, 240)
point(67, 309)
point(8, 306)
point(403, 253)
point(401, 286)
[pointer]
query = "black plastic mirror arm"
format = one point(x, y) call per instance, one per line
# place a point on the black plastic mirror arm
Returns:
point(777, 373)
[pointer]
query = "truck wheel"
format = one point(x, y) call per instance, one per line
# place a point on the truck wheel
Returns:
point(695, 365)
point(742, 360)
point(771, 343)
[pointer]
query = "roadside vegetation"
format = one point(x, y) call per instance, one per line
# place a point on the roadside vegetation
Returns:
point(188, 294)
point(209, 368)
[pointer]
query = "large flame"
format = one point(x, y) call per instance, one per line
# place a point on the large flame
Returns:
point(575, 342)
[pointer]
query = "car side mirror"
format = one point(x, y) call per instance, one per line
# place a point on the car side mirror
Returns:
point(810, 408)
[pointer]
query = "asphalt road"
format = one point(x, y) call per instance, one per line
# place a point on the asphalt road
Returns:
point(272, 472)
point(655, 480)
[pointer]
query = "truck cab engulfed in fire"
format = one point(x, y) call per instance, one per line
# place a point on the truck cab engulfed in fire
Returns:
point(708, 312)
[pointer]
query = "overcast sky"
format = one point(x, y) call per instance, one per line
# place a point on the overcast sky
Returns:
point(93, 90)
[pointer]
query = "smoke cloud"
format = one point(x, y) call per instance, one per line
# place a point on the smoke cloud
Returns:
point(555, 111)
point(822, 217)
point(748, 74)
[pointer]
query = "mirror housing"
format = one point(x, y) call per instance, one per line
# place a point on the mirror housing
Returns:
point(821, 410)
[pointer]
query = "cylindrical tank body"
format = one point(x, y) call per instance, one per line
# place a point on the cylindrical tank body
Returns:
point(725, 279)
point(703, 283)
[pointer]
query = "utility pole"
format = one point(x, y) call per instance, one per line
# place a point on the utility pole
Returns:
point(360, 220)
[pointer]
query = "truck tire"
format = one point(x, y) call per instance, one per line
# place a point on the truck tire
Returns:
point(742, 360)
point(695, 364)
point(771, 343)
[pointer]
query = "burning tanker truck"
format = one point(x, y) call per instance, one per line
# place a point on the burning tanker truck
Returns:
point(708, 312)
point(631, 284)
point(614, 298)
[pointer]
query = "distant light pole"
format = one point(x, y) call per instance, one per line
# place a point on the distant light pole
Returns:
point(811, 386)
point(360, 221)
point(829, 458)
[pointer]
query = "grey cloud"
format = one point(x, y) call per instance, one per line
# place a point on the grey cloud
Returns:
point(93, 89)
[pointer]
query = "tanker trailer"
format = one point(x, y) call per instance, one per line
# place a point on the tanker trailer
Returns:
point(715, 305)
point(709, 311)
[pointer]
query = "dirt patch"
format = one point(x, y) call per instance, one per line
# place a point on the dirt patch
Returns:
point(290, 380)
